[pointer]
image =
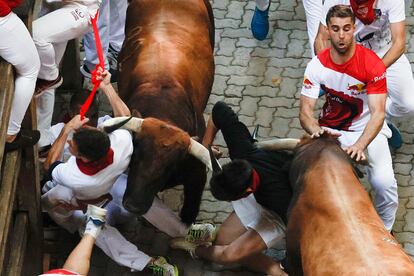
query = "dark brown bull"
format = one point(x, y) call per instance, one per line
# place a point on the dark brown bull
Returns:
point(333, 228)
point(166, 71)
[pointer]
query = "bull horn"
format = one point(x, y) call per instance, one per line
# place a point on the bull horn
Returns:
point(200, 152)
point(214, 162)
point(130, 123)
point(255, 133)
point(279, 144)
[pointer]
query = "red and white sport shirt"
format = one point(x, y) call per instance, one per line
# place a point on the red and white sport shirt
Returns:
point(346, 87)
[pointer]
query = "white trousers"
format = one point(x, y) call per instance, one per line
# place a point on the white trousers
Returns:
point(262, 4)
point(267, 224)
point(313, 11)
point(17, 48)
point(111, 24)
point(110, 240)
point(44, 109)
point(380, 174)
point(400, 84)
point(52, 31)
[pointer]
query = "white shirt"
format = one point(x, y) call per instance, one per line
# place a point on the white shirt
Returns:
point(377, 35)
point(346, 87)
point(93, 186)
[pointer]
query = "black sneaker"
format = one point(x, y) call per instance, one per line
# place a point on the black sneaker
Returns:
point(42, 85)
point(25, 138)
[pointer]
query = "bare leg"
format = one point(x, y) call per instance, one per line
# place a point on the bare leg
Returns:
point(236, 244)
point(79, 259)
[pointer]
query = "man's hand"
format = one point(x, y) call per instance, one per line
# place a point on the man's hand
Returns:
point(356, 152)
point(105, 77)
point(76, 123)
point(216, 151)
point(319, 132)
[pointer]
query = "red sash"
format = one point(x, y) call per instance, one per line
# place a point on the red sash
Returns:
point(364, 10)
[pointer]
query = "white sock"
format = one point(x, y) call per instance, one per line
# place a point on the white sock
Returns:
point(262, 4)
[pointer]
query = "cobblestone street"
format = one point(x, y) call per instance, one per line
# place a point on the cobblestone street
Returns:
point(261, 80)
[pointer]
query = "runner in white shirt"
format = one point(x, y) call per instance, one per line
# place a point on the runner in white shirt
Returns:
point(380, 26)
point(51, 32)
point(353, 79)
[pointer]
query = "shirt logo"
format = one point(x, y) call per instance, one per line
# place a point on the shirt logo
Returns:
point(357, 89)
point(380, 77)
point(307, 83)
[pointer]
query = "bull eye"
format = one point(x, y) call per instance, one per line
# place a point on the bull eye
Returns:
point(163, 126)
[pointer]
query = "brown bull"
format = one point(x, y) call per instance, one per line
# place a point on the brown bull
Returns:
point(333, 228)
point(166, 69)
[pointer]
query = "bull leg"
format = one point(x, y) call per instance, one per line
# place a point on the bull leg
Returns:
point(194, 182)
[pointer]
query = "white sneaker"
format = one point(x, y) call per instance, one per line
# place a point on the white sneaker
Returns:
point(95, 220)
point(202, 233)
point(96, 214)
point(161, 267)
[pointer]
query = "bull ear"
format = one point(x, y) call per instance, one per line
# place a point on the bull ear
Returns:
point(279, 144)
point(136, 113)
point(130, 123)
point(200, 152)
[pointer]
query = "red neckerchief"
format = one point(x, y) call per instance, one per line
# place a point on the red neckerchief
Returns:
point(364, 10)
point(255, 181)
point(91, 168)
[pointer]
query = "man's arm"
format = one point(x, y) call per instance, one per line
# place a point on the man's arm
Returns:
point(306, 118)
point(119, 108)
point(57, 148)
point(398, 43)
point(210, 133)
point(322, 39)
point(376, 104)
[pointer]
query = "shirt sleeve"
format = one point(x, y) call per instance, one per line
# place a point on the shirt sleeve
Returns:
point(377, 81)
point(311, 84)
point(396, 11)
point(58, 172)
point(235, 133)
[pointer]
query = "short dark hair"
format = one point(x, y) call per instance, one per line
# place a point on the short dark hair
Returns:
point(231, 183)
point(92, 143)
point(341, 11)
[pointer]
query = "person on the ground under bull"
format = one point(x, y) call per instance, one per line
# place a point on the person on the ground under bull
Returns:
point(380, 26)
point(256, 181)
point(354, 81)
point(97, 162)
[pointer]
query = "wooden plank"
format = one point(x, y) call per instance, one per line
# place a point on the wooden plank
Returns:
point(7, 196)
point(18, 241)
point(6, 97)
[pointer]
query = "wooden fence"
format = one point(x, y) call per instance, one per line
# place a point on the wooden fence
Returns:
point(21, 235)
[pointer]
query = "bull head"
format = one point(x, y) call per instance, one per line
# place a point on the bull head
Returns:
point(160, 150)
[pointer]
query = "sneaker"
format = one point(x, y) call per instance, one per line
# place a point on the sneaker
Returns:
point(85, 71)
point(112, 57)
point(95, 219)
point(161, 267)
point(96, 215)
point(25, 138)
point(395, 142)
point(42, 85)
point(201, 233)
point(87, 74)
point(260, 23)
